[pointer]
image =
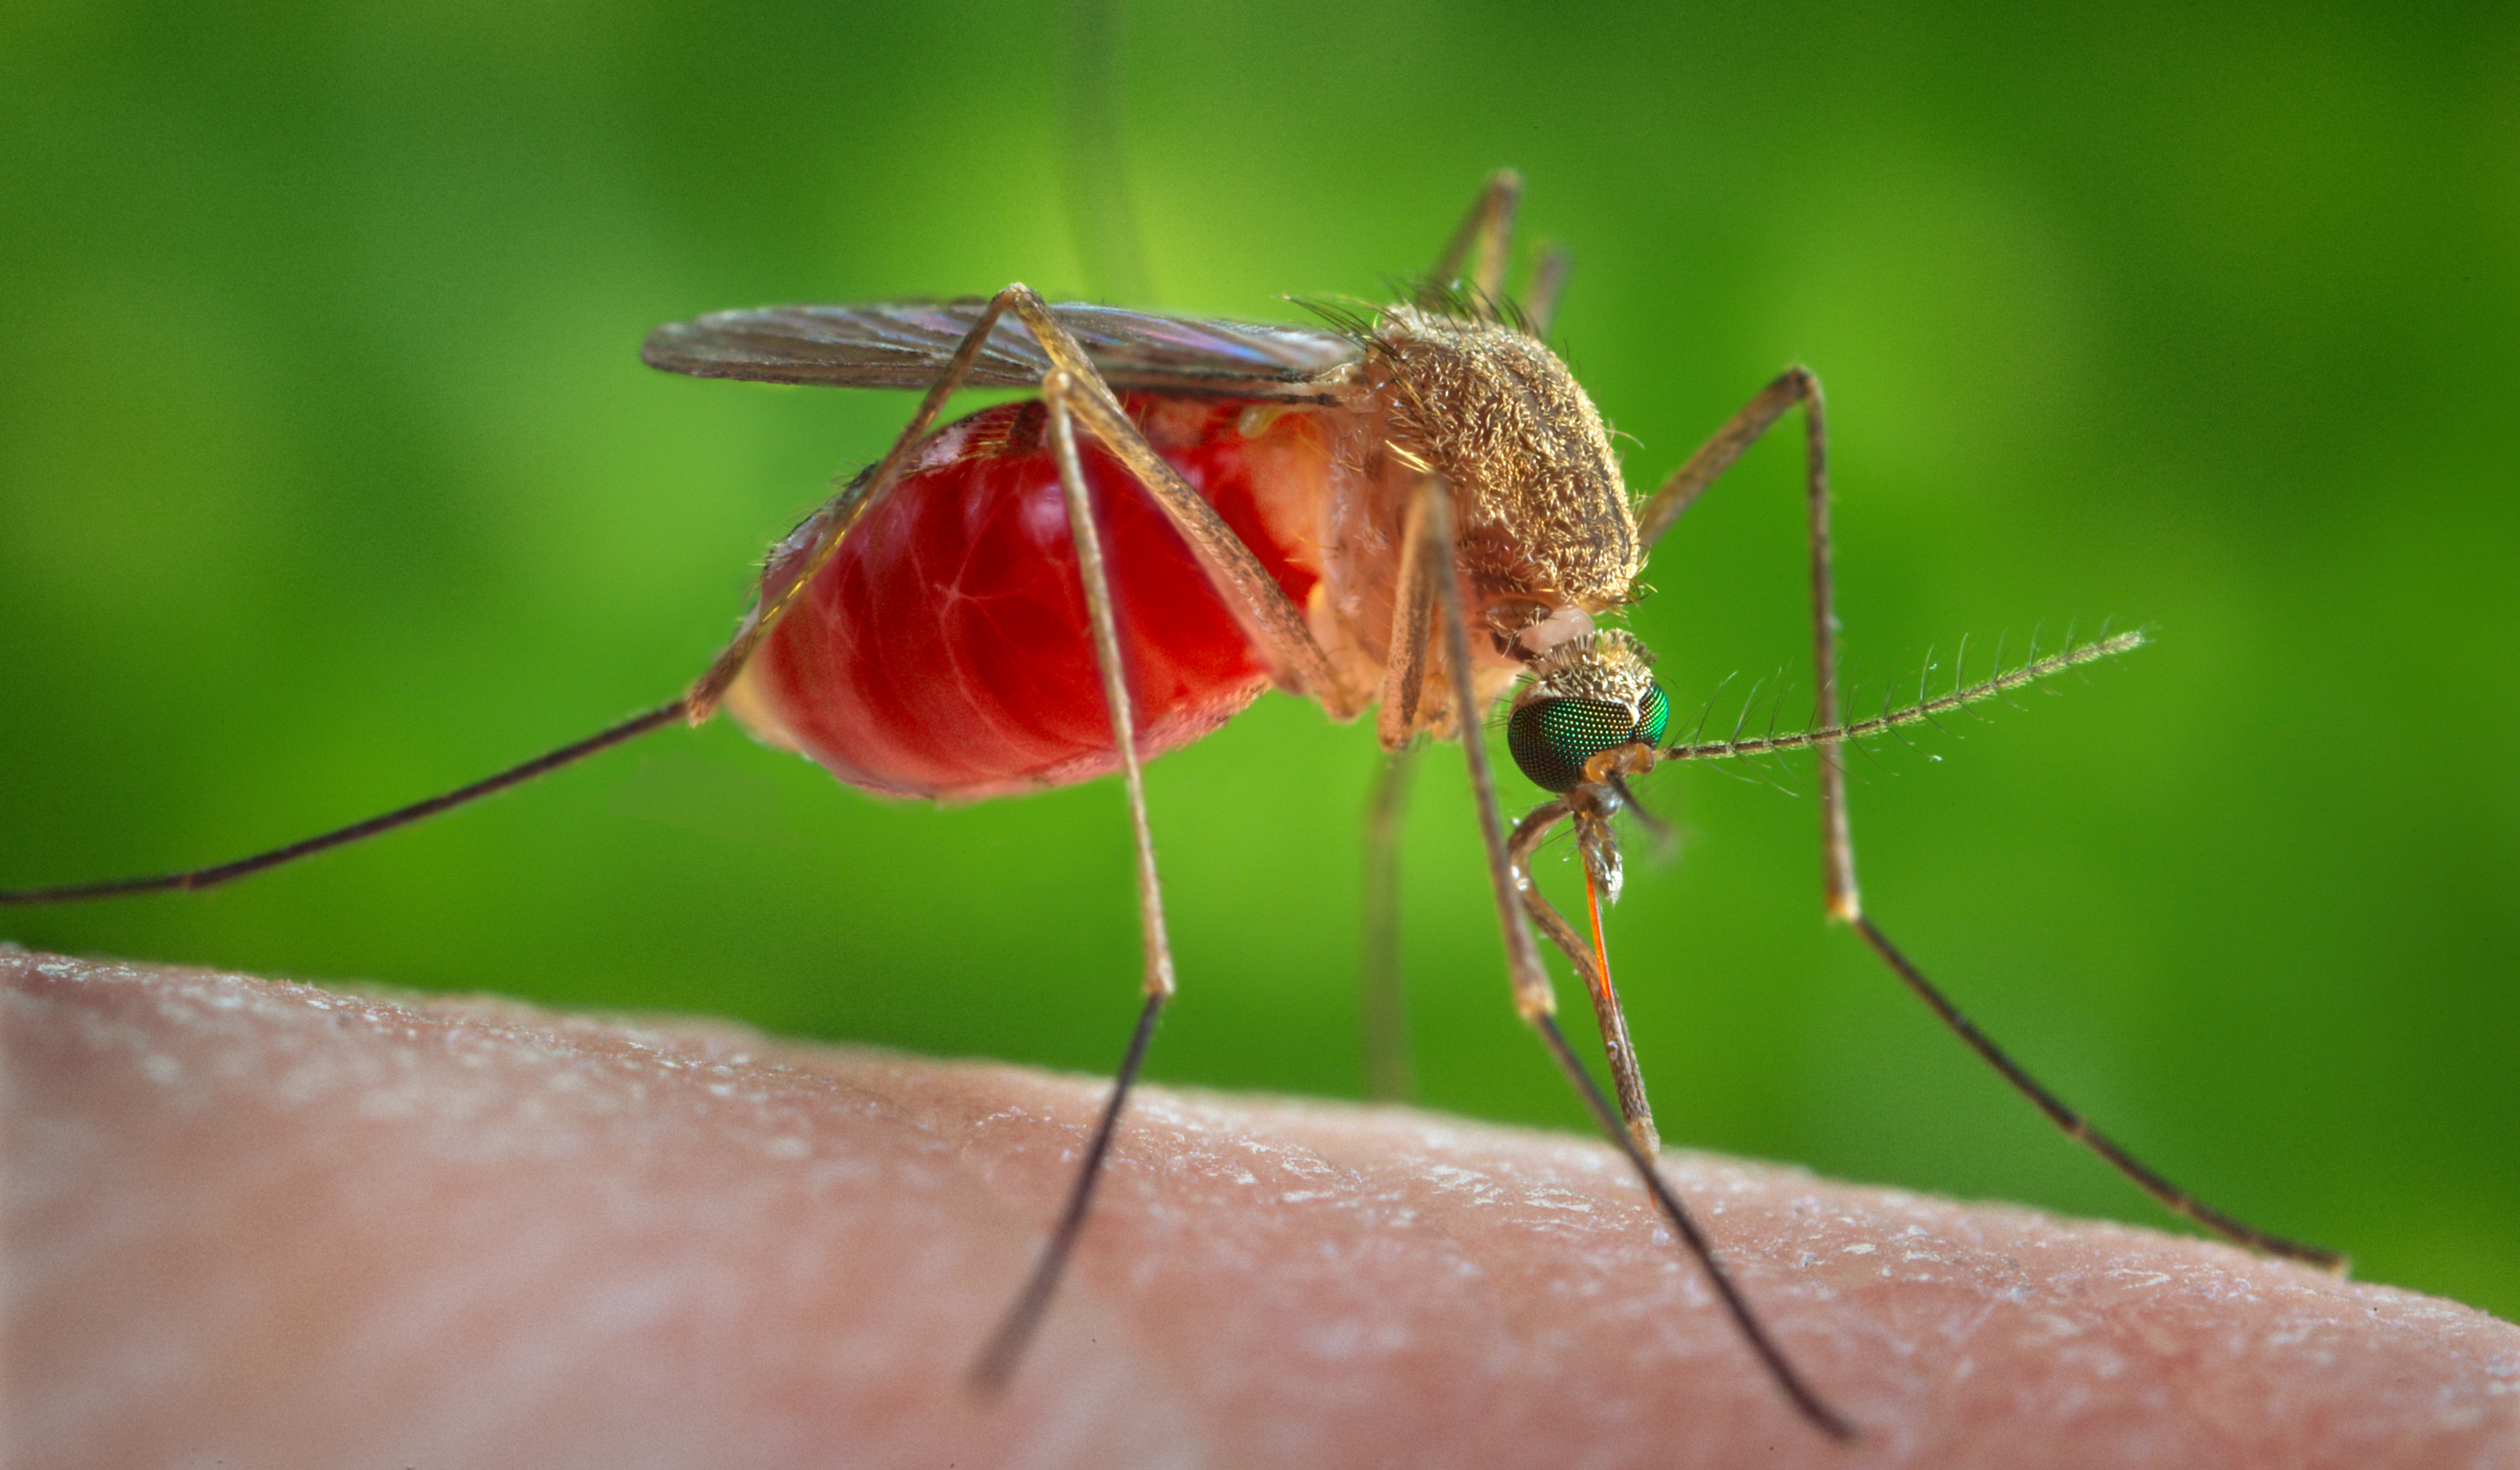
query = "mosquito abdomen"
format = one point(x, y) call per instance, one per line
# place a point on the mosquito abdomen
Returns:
point(945, 650)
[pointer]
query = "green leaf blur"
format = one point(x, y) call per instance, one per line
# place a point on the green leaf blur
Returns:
point(328, 478)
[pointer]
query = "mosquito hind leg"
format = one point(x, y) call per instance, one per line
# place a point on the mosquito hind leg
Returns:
point(193, 880)
point(1843, 900)
point(997, 1361)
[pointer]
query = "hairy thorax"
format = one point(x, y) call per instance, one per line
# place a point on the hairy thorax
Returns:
point(1544, 532)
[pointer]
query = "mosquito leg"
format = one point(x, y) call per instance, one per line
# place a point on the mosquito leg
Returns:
point(1397, 722)
point(2174, 1198)
point(1275, 625)
point(1386, 1009)
point(1548, 284)
point(1837, 847)
point(1677, 493)
point(1402, 713)
point(1481, 241)
point(997, 1361)
point(1092, 571)
point(1627, 1078)
point(1431, 516)
point(996, 1365)
point(1429, 519)
point(194, 879)
point(779, 592)
point(1404, 707)
point(1795, 385)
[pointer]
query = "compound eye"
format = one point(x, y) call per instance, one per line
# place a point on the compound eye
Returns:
point(1552, 738)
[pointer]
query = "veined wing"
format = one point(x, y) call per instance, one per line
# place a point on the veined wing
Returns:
point(906, 345)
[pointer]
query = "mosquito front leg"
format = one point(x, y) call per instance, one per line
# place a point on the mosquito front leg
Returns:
point(1837, 846)
point(1627, 1078)
point(1432, 516)
point(1413, 634)
point(997, 1361)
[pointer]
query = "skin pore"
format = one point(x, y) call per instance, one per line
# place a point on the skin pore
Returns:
point(261, 1224)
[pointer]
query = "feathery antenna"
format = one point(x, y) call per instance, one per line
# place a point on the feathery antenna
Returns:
point(1923, 711)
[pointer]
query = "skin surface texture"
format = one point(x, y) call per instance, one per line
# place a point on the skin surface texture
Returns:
point(268, 1225)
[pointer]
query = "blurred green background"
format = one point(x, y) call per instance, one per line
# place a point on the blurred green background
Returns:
point(328, 478)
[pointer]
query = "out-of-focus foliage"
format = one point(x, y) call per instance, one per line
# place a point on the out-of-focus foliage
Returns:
point(328, 478)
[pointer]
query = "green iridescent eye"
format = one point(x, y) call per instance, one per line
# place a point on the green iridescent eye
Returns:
point(1552, 738)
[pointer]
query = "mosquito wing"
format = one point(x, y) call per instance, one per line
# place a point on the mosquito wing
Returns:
point(906, 345)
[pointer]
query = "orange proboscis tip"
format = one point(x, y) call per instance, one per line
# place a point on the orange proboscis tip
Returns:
point(1593, 902)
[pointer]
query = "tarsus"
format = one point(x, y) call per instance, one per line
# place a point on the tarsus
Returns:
point(227, 872)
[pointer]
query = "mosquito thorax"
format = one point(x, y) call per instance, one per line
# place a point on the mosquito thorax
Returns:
point(1592, 693)
point(1544, 513)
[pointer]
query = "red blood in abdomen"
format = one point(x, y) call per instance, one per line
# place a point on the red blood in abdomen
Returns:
point(945, 650)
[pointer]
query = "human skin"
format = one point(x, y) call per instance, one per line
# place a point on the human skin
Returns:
point(266, 1224)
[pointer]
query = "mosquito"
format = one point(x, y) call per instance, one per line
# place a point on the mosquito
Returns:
point(1413, 507)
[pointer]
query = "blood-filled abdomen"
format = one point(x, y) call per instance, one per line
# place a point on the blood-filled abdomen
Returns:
point(945, 649)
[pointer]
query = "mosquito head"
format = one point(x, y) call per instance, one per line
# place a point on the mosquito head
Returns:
point(1591, 693)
